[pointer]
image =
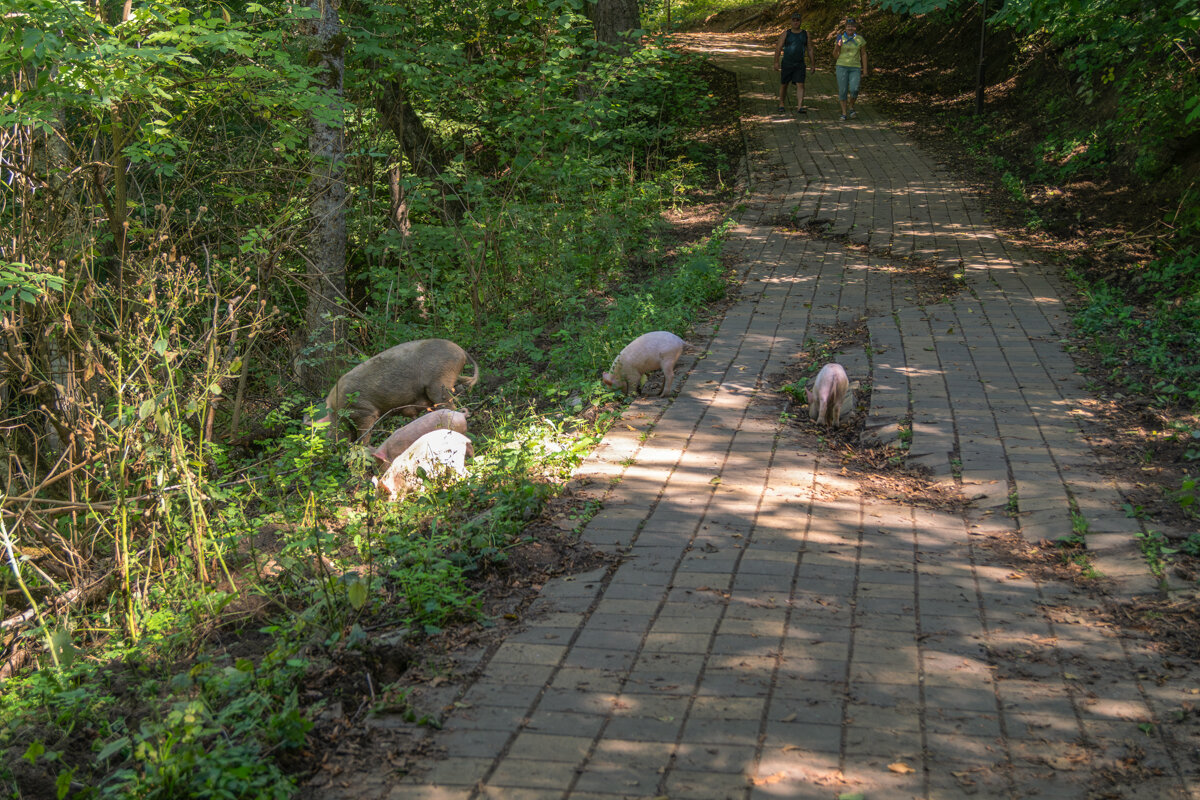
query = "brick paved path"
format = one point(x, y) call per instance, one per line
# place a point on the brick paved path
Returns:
point(774, 633)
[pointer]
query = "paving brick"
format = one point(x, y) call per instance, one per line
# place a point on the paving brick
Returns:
point(587, 679)
point(701, 730)
point(576, 701)
point(698, 785)
point(617, 781)
point(640, 755)
point(549, 747)
point(532, 774)
point(564, 723)
point(534, 654)
point(720, 758)
point(522, 674)
point(607, 639)
point(637, 622)
point(601, 658)
point(663, 729)
point(505, 695)
point(702, 626)
point(514, 793)
point(465, 743)
point(408, 792)
point(727, 707)
point(734, 682)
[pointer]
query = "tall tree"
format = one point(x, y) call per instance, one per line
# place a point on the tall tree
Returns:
point(326, 256)
point(612, 18)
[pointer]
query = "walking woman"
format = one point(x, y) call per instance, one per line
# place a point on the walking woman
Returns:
point(850, 58)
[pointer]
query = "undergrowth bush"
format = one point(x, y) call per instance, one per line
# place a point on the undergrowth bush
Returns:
point(1150, 347)
point(205, 730)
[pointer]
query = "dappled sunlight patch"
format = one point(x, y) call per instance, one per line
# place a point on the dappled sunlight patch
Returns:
point(785, 766)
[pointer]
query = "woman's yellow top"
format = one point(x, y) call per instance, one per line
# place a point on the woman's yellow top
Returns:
point(850, 47)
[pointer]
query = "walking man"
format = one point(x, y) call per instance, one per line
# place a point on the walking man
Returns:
point(850, 58)
point(790, 50)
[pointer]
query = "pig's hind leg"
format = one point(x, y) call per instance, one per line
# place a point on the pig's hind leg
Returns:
point(668, 370)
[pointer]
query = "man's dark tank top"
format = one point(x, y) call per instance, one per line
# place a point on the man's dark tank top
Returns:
point(795, 47)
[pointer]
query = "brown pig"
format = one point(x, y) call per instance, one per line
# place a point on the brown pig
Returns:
point(404, 437)
point(408, 378)
point(646, 353)
point(827, 395)
point(439, 454)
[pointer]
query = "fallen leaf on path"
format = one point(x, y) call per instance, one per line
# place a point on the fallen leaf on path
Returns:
point(901, 768)
point(769, 779)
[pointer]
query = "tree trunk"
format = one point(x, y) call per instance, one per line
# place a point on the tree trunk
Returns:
point(326, 329)
point(419, 148)
point(424, 156)
point(67, 393)
point(611, 18)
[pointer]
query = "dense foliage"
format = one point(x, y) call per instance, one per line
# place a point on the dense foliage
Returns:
point(1142, 55)
point(506, 178)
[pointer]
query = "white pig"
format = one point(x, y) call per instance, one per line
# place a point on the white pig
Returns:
point(648, 352)
point(403, 437)
point(828, 393)
point(437, 454)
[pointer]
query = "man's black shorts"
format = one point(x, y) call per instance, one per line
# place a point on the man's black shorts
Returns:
point(791, 73)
